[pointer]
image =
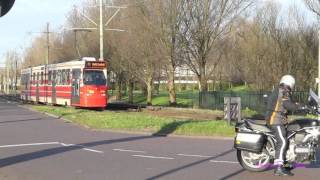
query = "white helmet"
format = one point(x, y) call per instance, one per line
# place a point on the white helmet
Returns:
point(288, 80)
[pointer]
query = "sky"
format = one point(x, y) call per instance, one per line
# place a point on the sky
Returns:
point(32, 15)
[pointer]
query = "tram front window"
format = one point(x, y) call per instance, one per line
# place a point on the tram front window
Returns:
point(91, 77)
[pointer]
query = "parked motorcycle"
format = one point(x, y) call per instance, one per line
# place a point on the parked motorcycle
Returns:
point(255, 143)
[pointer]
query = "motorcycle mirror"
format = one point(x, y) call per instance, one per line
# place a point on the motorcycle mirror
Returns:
point(313, 99)
point(312, 102)
point(5, 6)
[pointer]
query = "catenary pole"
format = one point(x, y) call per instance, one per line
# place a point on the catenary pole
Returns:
point(101, 31)
point(318, 79)
point(48, 43)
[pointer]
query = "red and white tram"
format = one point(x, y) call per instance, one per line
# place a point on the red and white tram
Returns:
point(80, 83)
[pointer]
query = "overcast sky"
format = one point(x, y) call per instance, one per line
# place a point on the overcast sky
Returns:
point(32, 15)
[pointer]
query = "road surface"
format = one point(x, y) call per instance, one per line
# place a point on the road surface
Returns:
point(34, 146)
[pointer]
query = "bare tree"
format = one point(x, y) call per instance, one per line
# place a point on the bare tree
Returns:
point(12, 68)
point(206, 23)
point(314, 6)
point(170, 18)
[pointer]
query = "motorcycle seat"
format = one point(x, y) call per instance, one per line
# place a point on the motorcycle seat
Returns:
point(260, 127)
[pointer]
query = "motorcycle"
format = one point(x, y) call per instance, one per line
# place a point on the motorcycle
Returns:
point(255, 143)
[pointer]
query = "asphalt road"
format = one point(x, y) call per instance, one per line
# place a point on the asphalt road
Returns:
point(34, 146)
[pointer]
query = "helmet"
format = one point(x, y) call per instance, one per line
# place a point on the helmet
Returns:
point(288, 80)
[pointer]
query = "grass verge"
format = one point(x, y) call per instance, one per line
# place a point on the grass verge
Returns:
point(139, 121)
point(184, 98)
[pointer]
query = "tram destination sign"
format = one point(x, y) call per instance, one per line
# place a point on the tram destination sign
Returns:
point(92, 65)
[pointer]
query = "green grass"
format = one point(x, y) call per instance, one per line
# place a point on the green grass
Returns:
point(139, 121)
point(184, 98)
point(249, 113)
point(240, 89)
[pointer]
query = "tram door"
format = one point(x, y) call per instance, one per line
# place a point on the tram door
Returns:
point(37, 87)
point(76, 75)
point(54, 83)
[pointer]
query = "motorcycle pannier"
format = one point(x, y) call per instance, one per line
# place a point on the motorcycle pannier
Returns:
point(247, 141)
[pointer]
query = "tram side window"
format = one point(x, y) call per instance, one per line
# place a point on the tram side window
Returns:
point(38, 78)
point(67, 76)
point(34, 78)
point(25, 82)
point(59, 77)
point(22, 79)
point(49, 77)
point(41, 78)
point(53, 77)
point(63, 77)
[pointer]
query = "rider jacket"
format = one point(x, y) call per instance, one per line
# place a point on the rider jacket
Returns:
point(279, 103)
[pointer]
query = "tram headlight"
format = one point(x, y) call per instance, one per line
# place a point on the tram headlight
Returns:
point(90, 92)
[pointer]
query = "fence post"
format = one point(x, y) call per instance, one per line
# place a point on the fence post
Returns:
point(200, 98)
point(229, 111)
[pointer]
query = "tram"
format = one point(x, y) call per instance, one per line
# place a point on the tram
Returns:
point(79, 83)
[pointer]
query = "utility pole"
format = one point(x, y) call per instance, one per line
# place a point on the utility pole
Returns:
point(47, 32)
point(7, 79)
point(318, 79)
point(101, 26)
point(16, 76)
point(101, 31)
point(48, 43)
point(47, 59)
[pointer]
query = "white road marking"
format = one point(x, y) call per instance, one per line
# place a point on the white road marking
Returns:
point(66, 145)
point(229, 162)
point(92, 150)
point(50, 143)
point(194, 155)
point(128, 150)
point(31, 144)
point(153, 157)
point(83, 147)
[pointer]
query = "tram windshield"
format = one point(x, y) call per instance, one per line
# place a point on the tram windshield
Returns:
point(94, 77)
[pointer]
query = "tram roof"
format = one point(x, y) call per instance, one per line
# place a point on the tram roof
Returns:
point(80, 63)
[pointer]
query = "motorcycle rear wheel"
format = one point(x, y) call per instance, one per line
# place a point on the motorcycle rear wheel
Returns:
point(256, 162)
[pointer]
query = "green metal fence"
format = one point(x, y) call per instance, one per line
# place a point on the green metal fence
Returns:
point(255, 100)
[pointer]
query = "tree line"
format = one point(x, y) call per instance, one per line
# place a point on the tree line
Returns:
point(237, 41)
